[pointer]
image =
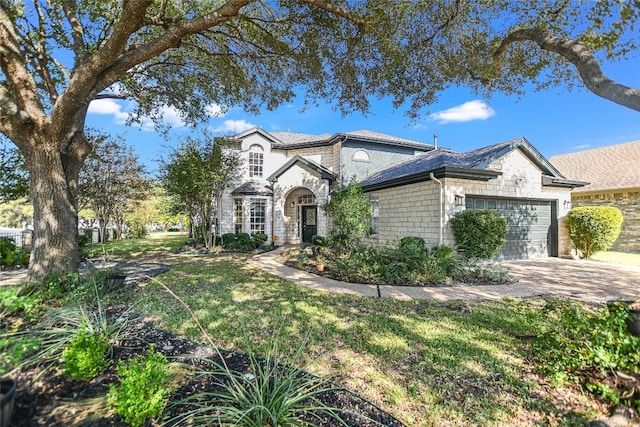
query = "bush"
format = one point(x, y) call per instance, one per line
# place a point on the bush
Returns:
point(11, 255)
point(580, 341)
point(85, 356)
point(260, 238)
point(143, 389)
point(479, 232)
point(319, 241)
point(228, 239)
point(411, 243)
point(593, 228)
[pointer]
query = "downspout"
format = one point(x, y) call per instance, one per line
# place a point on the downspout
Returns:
point(433, 178)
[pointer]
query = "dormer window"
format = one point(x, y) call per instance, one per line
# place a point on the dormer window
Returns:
point(360, 156)
point(256, 161)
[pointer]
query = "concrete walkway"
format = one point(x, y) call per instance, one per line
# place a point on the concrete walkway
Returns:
point(588, 281)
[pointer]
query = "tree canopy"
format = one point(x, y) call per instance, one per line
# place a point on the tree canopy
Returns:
point(111, 181)
point(56, 56)
point(197, 174)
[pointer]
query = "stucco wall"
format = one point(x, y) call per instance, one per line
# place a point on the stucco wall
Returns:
point(379, 157)
point(288, 186)
point(629, 203)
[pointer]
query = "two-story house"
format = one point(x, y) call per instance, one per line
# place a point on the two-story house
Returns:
point(289, 176)
point(416, 188)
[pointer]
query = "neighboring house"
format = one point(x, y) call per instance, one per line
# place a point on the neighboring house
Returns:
point(415, 188)
point(613, 174)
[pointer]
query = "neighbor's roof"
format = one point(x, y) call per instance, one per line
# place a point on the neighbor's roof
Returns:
point(615, 167)
point(445, 163)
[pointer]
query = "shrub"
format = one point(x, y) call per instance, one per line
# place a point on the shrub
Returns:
point(85, 356)
point(580, 340)
point(411, 243)
point(10, 254)
point(479, 232)
point(319, 241)
point(350, 212)
point(228, 239)
point(260, 238)
point(593, 228)
point(143, 389)
point(276, 394)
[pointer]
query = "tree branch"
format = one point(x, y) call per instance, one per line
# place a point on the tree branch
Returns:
point(77, 32)
point(586, 64)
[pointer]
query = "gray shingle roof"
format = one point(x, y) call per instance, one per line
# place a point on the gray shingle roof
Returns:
point(299, 138)
point(368, 134)
point(470, 165)
point(614, 167)
point(437, 159)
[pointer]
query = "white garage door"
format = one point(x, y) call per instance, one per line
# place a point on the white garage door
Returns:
point(531, 225)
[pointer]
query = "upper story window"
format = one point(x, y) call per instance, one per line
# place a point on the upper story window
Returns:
point(360, 156)
point(256, 161)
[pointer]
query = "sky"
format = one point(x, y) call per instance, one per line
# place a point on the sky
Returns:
point(556, 121)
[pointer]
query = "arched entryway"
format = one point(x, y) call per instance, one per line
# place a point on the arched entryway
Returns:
point(301, 209)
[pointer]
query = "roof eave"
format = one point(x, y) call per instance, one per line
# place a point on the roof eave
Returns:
point(319, 169)
point(443, 172)
point(552, 181)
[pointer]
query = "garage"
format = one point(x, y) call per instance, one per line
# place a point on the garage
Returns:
point(532, 230)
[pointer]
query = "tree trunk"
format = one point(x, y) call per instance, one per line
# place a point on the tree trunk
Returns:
point(55, 213)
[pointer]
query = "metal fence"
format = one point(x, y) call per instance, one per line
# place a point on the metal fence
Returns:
point(21, 239)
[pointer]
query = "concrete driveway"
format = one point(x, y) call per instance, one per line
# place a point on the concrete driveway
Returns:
point(588, 281)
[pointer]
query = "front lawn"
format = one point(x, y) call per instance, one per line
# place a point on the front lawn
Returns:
point(424, 362)
point(617, 257)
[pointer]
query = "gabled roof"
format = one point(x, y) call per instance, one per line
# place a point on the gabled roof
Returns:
point(472, 165)
point(323, 172)
point(615, 167)
point(291, 138)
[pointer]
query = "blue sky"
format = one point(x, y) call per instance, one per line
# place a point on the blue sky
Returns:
point(556, 121)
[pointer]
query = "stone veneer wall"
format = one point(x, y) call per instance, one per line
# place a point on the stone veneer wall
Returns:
point(629, 203)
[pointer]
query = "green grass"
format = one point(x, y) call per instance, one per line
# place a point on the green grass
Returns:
point(618, 257)
point(154, 242)
point(427, 363)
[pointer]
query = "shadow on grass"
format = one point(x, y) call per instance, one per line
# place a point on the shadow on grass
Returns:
point(427, 363)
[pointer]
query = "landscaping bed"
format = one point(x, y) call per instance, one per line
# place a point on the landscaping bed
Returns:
point(48, 398)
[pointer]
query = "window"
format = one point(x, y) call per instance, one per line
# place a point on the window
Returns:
point(256, 160)
point(258, 216)
point(375, 214)
point(237, 215)
point(360, 156)
point(307, 199)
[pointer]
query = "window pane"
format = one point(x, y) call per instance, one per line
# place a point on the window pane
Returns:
point(258, 216)
point(237, 215)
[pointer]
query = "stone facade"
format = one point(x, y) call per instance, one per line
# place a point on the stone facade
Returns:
point(629, 203)
point(412, 210)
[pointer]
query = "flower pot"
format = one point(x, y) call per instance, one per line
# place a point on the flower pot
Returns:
point(634, 322)
point(320, 267)
point(7, 399)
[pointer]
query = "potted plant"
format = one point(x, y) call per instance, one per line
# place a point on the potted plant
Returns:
point(320, 263)
point(7, 399)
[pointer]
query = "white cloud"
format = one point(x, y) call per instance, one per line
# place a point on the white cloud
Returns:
point(108, 107)
point(581, 147)
point(420, 126)
point(472, 110)
point(234, 126)
point(170, 115)
point(215, 110)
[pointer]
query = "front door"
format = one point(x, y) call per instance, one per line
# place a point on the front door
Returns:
point(309, 223)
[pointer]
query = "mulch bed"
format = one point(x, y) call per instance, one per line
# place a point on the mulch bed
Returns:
point(47, 398)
